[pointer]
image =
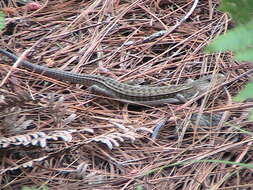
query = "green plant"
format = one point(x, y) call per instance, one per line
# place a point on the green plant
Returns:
point(239, 40)
point(2, 21)
point(34, 188)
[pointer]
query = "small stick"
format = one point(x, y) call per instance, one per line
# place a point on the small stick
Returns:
point(15, 65)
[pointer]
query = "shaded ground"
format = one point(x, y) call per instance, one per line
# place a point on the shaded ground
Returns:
point(77, 141)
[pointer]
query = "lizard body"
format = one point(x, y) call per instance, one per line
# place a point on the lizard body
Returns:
point(134, 94)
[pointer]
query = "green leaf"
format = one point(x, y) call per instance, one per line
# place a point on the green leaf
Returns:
point(139, 187)
point(245, 93)
point(240, 10)
point(237, 39)
point(245, 55)
point(251, 115)
point(2, 21)
point(28, 188)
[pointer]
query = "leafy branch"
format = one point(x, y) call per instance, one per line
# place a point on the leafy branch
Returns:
point(239, 40)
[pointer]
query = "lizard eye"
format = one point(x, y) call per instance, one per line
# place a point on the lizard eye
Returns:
point(216, 77)
point(209, 79)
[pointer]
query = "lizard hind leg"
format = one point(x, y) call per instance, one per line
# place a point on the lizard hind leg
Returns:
point(95, 89)
point(181, 98)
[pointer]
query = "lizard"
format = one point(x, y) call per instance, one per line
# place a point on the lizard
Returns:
point(123, 92)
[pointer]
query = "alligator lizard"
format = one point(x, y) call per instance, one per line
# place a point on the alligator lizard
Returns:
point(133, 94)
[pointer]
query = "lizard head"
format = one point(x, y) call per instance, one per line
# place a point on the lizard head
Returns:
point(203, 84)
point(200, 86)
